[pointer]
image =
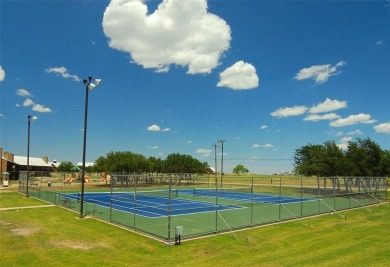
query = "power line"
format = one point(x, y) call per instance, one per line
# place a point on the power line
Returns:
point(258, 159)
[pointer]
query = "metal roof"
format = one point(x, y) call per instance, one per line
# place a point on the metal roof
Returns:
point(20, 160)
point(212, 169)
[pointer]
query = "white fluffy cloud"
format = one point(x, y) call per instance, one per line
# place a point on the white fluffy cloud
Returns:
point(315, 117)
point(343, 146)
point(41, 108)
point(328, 105)
point(289, 111)
point(204, 152)
point(36, 107)
point(356, 132)
point(352, 120)
point(178, 32)
point(262, 127)
point(268, 145)
point(156, 128)
point(63, 72)
point(383, 128)
point(319, 73)
point(152, 147)
point(240, 76)
point(24, 93)
point(2, 74)
point(28, 102)
point(265, 146)
point(344, 143)
point(345, 139)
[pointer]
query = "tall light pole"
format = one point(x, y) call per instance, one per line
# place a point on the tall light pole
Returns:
point(29, 120)
point(221, 141)
point(90, 84)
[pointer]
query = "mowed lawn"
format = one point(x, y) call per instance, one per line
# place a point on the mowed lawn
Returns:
point(52, 236)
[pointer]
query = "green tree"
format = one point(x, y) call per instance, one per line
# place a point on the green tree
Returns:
point(101, 164)
point(155, 165)
point(240, 169)
point(178, 163)
point(385, 163)
point(362, 158)
point(309, 160)
point(65, 166)
point(365, 157)
point(333, 159)
point(130, 162)
point(123, 161)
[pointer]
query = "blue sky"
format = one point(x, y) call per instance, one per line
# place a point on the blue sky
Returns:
point(178, 75)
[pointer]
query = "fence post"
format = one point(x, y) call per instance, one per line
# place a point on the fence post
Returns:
point(318, 195)
point(135, 200)
point(301, 196)
point(169, 208)
point(216, 207)
point(112, 185)
point(334, 193)
point(280, 198)
point(252, 203)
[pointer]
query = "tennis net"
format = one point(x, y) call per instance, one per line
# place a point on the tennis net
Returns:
point(144, 195)
point(212, 192)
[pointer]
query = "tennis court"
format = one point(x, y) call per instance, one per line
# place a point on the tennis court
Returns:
point(231, 194)
point(148, 204)
point(156, 203)
point(203, 208)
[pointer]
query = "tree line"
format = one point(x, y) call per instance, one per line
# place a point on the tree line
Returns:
point(129, 162)
point(363, 157)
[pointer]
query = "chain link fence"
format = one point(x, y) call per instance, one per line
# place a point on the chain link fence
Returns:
point(163, 205)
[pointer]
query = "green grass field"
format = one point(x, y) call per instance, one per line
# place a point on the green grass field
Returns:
point(53, 236)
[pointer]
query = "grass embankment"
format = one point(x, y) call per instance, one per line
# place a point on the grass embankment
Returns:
point(10, 199)
point(56, 237)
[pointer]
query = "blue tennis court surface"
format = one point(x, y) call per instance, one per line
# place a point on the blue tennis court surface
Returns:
point(152, 205)
point(245, 197)
point(149, 205)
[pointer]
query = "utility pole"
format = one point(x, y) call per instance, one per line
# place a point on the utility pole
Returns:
point(216, 169)
point(216, 188)
point(221, 141)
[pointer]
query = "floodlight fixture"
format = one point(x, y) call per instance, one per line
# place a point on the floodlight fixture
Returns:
point(91, 83)
point(98, 81)
point(91, 86)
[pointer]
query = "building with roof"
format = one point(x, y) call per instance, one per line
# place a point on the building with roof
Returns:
point(16, 164)
point(87, 164)
point(210, 170)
